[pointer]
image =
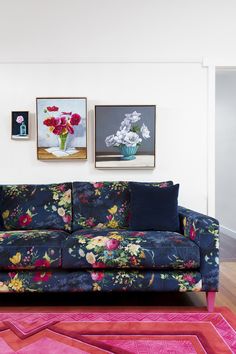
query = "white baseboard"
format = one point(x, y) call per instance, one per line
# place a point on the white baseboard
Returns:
point(227, 231)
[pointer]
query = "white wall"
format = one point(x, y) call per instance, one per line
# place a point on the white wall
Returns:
point(68, 29)
point(181, 120)
point(74, 30)
point(226, 150)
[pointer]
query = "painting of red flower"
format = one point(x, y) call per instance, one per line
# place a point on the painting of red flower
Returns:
point(62, 128)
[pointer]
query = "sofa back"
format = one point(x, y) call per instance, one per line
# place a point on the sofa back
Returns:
point(103, 204)
point(67, 206)
point(30, 206)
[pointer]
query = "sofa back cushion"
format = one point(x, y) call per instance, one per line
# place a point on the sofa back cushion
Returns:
point(100, 205)
point(103, 204)
point(154, 208)
point(44, 206)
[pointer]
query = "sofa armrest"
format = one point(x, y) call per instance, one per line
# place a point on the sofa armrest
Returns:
point(204, 231)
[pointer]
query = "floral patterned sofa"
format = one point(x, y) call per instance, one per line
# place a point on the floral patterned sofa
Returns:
point(75, 237)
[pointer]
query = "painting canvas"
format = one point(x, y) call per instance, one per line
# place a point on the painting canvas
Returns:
point(20, 125)
point(62, 128)
point(125, 136)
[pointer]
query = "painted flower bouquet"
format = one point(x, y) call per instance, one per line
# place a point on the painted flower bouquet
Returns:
point(61, 124)
point(129, 137)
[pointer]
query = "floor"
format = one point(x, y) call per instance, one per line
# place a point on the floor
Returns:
point(227, 248)
point(131, 301)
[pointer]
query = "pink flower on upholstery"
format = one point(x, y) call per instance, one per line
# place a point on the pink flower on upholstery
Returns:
point(12, 275)
point(109, 217)
point(83, 198)
point(133, 260)
point(90, 222)
point(112, 244)
point(189, 264)
point(97, 276)
point(52, 109)
point(25, 220)
point(192, 233)
point(98, 185)
point(42, 263)
point(137, 233)
point(42, 276)
point(67, 219)
point(189, 279)
point(61, 187)
point(99, 265)
point(75, 119)
point(5, 235)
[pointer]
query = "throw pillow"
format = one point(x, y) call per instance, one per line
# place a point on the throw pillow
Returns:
point(153, 208)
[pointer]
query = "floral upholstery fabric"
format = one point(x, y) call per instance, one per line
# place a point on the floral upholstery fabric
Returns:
point(102, 204)
point(99, 280)
point(204, 231)
point(101, 254)
point(1, 219)
point(129, 249)
point(31, 249)
point(36, 206)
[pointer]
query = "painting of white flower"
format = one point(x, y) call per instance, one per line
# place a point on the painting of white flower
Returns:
point(131, 138)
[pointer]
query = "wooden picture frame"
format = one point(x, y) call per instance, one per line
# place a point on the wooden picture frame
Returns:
point(125, 136)
point(61, 128)
point(20, 125)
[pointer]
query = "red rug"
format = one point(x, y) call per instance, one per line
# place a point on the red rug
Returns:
point(165, 331)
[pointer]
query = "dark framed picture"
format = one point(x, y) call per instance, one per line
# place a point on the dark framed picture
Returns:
point(20, 125)
point(125, 136)
point(61, 128)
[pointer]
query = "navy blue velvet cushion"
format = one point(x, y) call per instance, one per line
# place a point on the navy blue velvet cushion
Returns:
point(153, 208)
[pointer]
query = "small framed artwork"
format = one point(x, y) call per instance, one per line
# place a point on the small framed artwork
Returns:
point(20, 125)
point(61, 128)
point(125, 136)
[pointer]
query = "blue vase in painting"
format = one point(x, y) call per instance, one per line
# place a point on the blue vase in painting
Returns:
point(23, 129)
point(128, 152)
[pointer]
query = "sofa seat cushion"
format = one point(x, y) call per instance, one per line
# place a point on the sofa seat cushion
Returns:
point(31, 249)
point(129, 249)
point(36, 206)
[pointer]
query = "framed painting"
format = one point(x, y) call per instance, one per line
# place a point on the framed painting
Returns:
point(20, 125)
point(61, 128)
point(125, 136)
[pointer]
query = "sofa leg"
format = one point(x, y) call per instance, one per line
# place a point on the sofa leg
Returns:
point(210, 297)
